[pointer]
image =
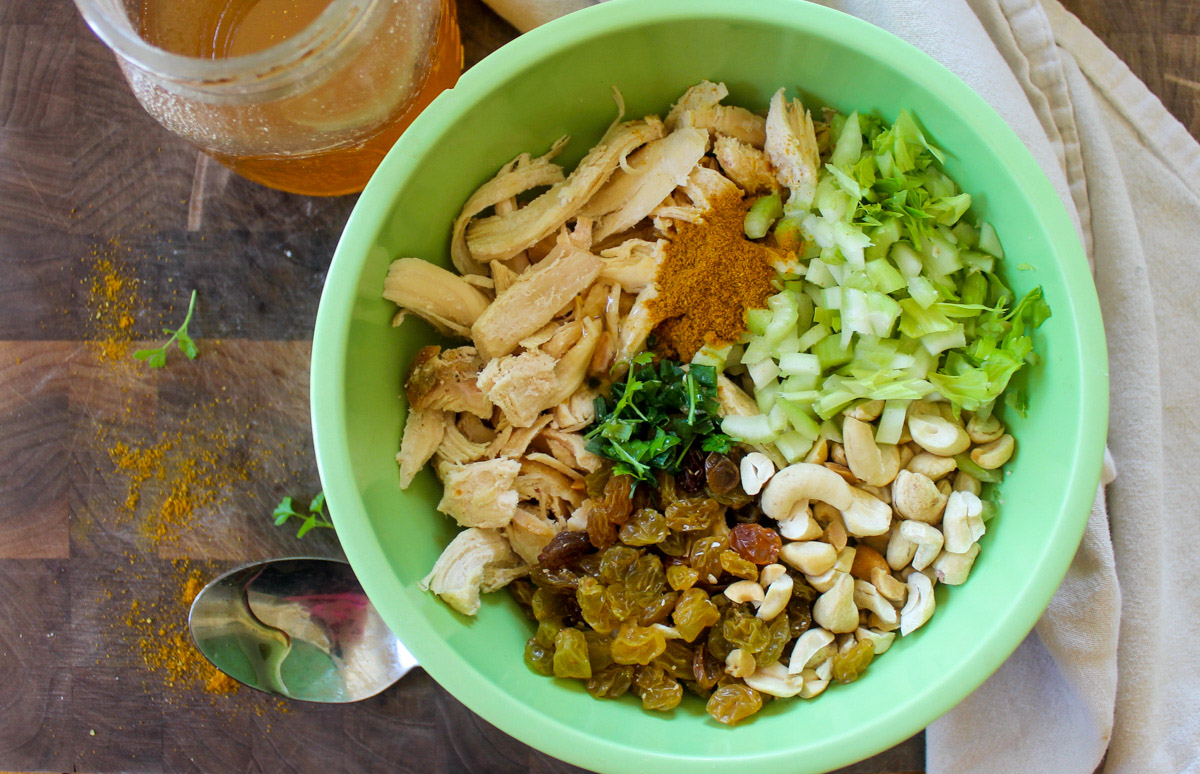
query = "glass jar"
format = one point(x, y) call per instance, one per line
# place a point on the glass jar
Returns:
point(312, 114)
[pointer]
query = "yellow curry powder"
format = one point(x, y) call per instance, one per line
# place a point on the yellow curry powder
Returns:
point(112, 299)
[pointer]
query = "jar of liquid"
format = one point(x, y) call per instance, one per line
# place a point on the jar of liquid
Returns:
point(301, 95)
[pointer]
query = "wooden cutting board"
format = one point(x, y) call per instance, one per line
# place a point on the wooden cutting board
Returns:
point(94, 559)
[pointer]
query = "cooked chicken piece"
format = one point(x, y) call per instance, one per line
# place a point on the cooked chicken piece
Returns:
point(580, 234)
point(474, 429)
point(528, 534)
point(735, 402)
point(706, 186)
point(579, 517)
point(446, 300)
point(658, 168)
point(545, 484)
point(517, 176)
point(423, 430)
point(637, 325)
point(533, 300)
point(502, 236)
point(456, 448)
point(703, 95)
point(447, 381)
point(745, 165)
point(512, 441)
point(480, 494)
point(569, 448)
point(476, 560)
point(700, 106)
point(577, 412)
point(521, 385)
point(502, 276)
point(541, 337)
point(545, 459)
point(563, 339)
point(591, 304)
point(633, 264)
point(792, 148)
point(605, 354)
point(572, 369)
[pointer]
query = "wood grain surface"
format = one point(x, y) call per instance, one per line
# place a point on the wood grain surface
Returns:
point(87, 177)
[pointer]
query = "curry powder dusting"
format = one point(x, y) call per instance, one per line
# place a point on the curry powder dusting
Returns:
point(710, 276)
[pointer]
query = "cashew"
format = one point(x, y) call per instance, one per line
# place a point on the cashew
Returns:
point(945, 487)
point(951, 568)
point(775, 680)
point(900, 550)
point(867, 460)
point(906, 453)
point(739, 663)
point(794, 486)
point(813, 685)
point(800, 525)
point(867, 597)
point(867, 515)
point(919, 607)
point(892, 590)
point(931, 466)
point(915, 496)
point(819, 452)
point(882, 640)
point(807, 645)
point(810, 558)
point(824, 670)
point(928, 539)
point(778, 594)
point(865, 560)
point(757, 470)
point(965, 482)
point(937, 435)
point(984, 430)
point(878, 543)
point(963, 522)
point(837, 453)
point(835, 610)
point(845, 559)
point(844, 472)
point(745, 591)
point(992, 455)
point(835, 533)
point(770, 573)
point(874, 622)
point(824, 581)
point(867, 411)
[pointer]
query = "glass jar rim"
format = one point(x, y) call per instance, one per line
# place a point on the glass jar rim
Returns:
point(270, 68)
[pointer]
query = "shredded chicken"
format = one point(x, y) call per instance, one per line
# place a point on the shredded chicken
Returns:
point(792, 147)
point(533, 300)
point(570, 449)
point(701, 107)
point(541, 483)
point(745, 165)
point(633, 264)
point(446, 300)
point(447, 381)
point(512, 441)
point(637, 325)
point(502, 236)
point(423, 430)
point(577, 412)
point(521, 385)
point(480, 494)
point(455, 447)
point(529, 533)
point(476, 560)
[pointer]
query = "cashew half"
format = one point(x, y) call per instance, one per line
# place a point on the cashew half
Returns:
point(778, 594)
point(867, 597)
point(929, 542)
point(794, 486)
point(868, 411)
point(965, 482)
point(835, 610)
point(900, 550)
point(819, 452)
point(807, 645)
point(915, 496)
point(775, 680)
point(937, 435)
point(811, 558)
point(984, 430)
point(867, 514)
point(963, 522)
point(882, 640)
point(813, 685)
point(919, 607)
point(771, 573)
point(756, 469)
point(892, 590)
point(874, 464)
point(866, 559)
point(800, 525)
point(952, 569)
point(931, 466)
point(992, 455)
point(739, 663)
point(745, 591)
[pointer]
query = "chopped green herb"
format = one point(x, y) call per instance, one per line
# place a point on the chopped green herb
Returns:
point(157, 358)
point(315, 516)
point(652, 419)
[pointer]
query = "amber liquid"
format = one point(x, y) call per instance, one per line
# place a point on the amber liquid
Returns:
point(216, 29)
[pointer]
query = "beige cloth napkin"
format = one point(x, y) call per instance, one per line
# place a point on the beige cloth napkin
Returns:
point(1110, 668)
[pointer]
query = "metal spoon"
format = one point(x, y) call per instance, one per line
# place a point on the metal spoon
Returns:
point(301, 628)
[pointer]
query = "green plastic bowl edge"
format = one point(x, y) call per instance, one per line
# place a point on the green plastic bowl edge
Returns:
point(559, 738)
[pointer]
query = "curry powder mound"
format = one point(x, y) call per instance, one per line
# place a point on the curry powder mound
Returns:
point(710, 275)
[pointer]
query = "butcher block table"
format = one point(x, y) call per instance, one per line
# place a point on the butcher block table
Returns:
point(122, 487)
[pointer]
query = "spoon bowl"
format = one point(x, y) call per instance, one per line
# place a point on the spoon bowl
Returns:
point(301, 628)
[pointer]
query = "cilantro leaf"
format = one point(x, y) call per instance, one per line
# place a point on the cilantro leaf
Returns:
point(157, 357)
point(315, 516)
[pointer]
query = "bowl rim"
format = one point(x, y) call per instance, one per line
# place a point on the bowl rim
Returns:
point(518, 718)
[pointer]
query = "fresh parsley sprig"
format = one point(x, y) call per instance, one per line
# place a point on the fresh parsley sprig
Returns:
point(652, 419)
point(308, 521)
point(157, 358)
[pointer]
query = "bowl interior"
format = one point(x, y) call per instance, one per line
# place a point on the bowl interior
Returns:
point(557, 81)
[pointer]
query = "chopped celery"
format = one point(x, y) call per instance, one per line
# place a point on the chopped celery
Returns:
point(891, 421)
point(811, 337)
point(752, 429)
point(882, 238)
point(763, 372)
point(906, 259)
point(831, 431)
point(762, 215)
point(849, 143)
point(939, 256)
point(916, 322)
point(974, 288)
point(922, 291)
point(789, 345)
point(941, 341)
point(785, 313)
point(989, 242)
point(831, 352)
point(765, 396)
point(756, 321)
point(800, 420)
point(977, 260)
point(756, 350)
point(777, 419)
point(884, 276)
point(967, 465)
point(788, 233)
point(797, 364)
point(793, 446)
point(966, 234)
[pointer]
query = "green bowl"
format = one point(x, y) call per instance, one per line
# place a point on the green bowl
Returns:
point(555, 80)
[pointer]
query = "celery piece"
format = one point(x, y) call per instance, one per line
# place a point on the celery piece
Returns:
point(797, 364)
point(831, 352)
point(883, 237)
point(974, 288)
point(763, 372)
point(788, 234)
point(989, 242)
point(800, 420)
point(891, 421)
point(939, 257)
point(977, 260)
point(812, 336)
point(793, 446)
point(848, 148)
point(906, 259)
point(922, 291)
point(967, 465)
point(757, 320)
point(819, 274)
point(777, 419)
point(831, 430)
point(966, 234)
point(884, 276)
point(765, 396)
point(752, 429)
point(762, 215)
point(941, 341)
